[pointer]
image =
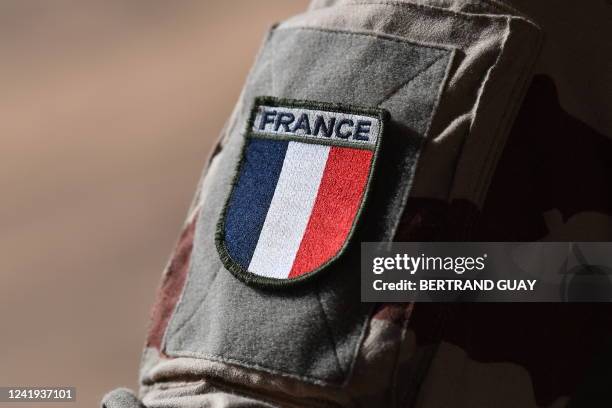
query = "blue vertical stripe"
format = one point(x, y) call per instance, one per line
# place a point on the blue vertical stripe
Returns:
point(251, 197)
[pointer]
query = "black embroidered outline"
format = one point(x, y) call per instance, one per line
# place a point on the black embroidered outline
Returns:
point(263, 281)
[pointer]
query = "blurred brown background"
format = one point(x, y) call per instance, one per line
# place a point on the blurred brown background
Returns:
point(107, 112)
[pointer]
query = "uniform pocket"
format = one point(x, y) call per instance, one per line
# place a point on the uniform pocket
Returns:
point(310, 332)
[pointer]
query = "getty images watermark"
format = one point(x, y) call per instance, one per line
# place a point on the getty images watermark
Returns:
point(486, 272)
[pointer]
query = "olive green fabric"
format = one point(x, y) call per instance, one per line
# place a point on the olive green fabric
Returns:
point(222, 318)
point(452, 74)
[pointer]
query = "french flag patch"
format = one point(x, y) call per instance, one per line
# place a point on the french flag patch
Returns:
point(299, 188)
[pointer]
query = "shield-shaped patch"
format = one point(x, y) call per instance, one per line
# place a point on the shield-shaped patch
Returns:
point(299, 189)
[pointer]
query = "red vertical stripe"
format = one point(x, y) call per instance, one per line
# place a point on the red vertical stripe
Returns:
point(338, 200)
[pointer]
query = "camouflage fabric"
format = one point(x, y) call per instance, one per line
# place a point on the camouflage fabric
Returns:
point(502, 160)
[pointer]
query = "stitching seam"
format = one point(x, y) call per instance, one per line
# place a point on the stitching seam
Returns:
point(419, 73)
point(193, 313)
point(448, 12)
point(306, 378)
point(330, 334)
point(378, 36)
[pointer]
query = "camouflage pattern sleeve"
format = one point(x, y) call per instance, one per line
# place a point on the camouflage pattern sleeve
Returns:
point(374, 120)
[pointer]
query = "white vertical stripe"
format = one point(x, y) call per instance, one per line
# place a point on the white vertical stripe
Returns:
point(289, 210)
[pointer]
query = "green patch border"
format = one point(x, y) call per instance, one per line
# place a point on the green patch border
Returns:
point(262, 281)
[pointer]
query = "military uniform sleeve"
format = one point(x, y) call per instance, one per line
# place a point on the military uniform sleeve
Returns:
point(354, 112)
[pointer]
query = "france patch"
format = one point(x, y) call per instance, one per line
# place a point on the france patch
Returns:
point(299, 189)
